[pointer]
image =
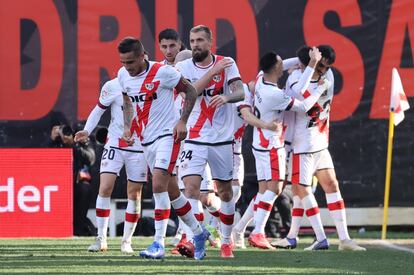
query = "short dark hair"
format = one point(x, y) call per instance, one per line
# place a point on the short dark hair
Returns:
point(130, 44)
point(168, 34)
point(328, 53)
point(303, 54)
point(267, 61)
point(203, 28)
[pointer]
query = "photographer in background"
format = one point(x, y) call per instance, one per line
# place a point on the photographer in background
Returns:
point(83, 157)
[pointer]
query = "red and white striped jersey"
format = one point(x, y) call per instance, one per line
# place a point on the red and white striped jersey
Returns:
point(152, 96)
point(207, 124)
point(239, 123)
point(311, 132)
point(111, 95)
point(270, 102)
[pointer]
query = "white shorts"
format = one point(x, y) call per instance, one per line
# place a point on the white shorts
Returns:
point(135, 165)
point(304, 166)
point(238, 168)
point(196, 156)
point(289, 155)
point(270, 164)
point(207, 184)
point(162, 154)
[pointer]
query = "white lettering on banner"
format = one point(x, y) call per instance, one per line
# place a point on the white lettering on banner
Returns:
point(27, 194)
point(23, 198)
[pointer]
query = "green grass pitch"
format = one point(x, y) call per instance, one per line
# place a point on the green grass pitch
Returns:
point(69, 256)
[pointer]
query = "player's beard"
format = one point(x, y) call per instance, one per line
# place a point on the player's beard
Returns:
point(199, 56)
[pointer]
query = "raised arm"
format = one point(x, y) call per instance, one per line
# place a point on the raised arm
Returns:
point(203, 82)
point(236, 95)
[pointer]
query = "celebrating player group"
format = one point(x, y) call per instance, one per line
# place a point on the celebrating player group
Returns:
point(184, 118)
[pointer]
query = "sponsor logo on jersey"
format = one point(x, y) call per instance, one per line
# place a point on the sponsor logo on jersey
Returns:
point(143, 97)
point(210, 92)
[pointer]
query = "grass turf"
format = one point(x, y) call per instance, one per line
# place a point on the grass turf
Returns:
point(69, 256)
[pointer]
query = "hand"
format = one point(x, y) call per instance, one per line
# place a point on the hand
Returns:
point(221, 65)
point(218, 100)
point(82, 136)
point(274, 125)
point(55, 132)
point(180, 131)
point(128, 137)
point(315, 54)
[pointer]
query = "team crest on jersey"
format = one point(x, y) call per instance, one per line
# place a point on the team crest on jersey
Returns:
point(217, 78)
point(105, 94)
point(149, 86)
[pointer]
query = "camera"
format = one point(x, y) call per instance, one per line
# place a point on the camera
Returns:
point(65, 130)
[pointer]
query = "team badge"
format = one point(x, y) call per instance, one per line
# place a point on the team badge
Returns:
point(149, 86)
point(217, 78)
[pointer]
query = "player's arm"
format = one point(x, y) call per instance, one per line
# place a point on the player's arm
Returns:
point(91, 123)
point(252, 120)
point(184, 86)
point(204, 82)
point(290, 63)
point(128, 116)
point(304, 106)
point(236, 95)
point(302, 85)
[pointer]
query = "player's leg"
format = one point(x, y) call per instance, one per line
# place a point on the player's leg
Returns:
point(193, 161)
point(220, 159)
point(304, 181)
point(327, 179)
point(111, 164)
point(161, 157)
point(238, 175)
point(136, 171)
point(209, 199)
point(273, 164)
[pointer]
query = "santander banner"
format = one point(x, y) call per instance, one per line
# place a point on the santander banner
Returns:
point(36, 187)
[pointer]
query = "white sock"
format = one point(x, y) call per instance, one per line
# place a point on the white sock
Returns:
point(264, 208)
point(132, 215)
point(162, 214)
point(297, 214)
point(214, 210)
point(227, 219)
point(336, 208)
point(312, 212)
point(236, 192)
point(183, 209)
point(102, 215)
point(245, 219)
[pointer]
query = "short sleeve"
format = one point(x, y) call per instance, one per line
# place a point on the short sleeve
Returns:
point(281, 101)
point(232, 73)
point(170, 77)
point(110, 90)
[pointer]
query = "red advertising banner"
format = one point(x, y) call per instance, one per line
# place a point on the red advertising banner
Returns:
point(36, 187)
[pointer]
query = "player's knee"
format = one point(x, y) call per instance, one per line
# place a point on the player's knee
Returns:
point(331, 186)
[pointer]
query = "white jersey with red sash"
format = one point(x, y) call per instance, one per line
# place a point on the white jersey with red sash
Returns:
point(209, 125)
point(239, 123)
point(152, 96)
point(111, 95)
point(311, 132)
point(270, 103)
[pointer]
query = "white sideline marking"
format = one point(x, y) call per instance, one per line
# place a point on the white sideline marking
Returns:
point(393, 246)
